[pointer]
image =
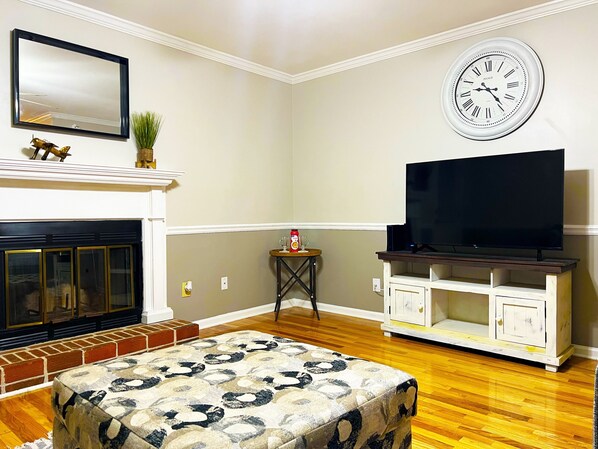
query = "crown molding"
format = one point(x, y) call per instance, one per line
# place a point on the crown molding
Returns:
point(99, 18)
point(505, 20)
point(125, 26)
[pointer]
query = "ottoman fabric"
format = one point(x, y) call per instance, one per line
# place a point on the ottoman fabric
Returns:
point(239, 390)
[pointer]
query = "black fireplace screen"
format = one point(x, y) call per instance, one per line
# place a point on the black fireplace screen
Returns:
point(78, 272)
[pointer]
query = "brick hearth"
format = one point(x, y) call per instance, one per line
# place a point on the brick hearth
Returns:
point(40, 363)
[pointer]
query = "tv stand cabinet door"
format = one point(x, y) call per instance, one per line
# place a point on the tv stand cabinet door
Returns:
point(407, 303)
point(521, 321)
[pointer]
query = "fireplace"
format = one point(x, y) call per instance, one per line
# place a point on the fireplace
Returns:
point(61, 279)
point(90, 253)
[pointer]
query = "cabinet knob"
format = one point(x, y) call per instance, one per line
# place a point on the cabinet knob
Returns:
point(499, 321)
point(421, 309)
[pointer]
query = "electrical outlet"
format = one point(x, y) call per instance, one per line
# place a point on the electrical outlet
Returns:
point(186, 289)
point(224, 283)
point(376, 285)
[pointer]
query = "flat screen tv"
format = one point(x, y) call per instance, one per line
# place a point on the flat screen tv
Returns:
point(503, 201)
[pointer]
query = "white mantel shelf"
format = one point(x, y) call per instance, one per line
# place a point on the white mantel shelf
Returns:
point(38, 170)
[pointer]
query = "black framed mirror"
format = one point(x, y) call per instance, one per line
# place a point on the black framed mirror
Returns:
point(66, 87)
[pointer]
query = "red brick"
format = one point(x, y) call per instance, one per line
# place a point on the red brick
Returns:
point(73, 344)
point(133, 344)
point(68, 359)
point(24, 384)
point(61, 347)
point(46, 349)
point(101, 352)
point(12, 358)
point(94, 340)
point(161, 338)
point(104, 338)
point(25, 355)
point(24, 370)
point(84, 343)
point(38, 352)
point(113, 336)
point(187, 332)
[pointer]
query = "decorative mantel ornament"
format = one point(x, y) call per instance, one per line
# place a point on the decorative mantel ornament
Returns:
point(48, 147)
point(146, 126)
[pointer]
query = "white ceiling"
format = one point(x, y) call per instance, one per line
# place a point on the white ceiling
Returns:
point(297, 36)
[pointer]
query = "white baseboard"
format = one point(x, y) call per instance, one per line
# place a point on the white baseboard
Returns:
point(287, 303)
point(239, 314)
point(26, 390)
point(587, 352)
point(341, 310)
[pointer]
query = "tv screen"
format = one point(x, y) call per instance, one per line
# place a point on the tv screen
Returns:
point(504, 201)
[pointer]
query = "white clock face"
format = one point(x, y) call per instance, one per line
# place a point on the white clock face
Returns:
point(492, 89)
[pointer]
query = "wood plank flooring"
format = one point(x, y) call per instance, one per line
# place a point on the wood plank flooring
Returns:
point(466, 400)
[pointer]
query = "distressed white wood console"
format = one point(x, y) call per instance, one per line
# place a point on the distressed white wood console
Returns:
point(518, 307)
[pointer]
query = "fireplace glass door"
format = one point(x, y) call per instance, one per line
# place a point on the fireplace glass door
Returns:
point(121, 277)
point(59, 294)
point(41, 285)
point(23, 270)
point(92, 280)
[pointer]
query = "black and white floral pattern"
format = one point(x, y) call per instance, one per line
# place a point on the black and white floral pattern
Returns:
point(240, 390)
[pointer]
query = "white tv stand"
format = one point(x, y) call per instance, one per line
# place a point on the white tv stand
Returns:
point(517, 307)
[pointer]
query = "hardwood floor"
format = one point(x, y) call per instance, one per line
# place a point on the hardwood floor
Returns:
point(466, 400)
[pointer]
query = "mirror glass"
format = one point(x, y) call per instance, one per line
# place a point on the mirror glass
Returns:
point(67, 87)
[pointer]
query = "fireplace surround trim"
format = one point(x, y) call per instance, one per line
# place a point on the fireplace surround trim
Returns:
point(65, 191)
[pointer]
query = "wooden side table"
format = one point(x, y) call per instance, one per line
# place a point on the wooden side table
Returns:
point(309, 263)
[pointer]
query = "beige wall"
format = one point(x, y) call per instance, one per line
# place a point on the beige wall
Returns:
point(357, 129)
point(227, 129)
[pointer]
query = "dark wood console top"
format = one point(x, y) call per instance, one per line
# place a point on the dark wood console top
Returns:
point(512, 263)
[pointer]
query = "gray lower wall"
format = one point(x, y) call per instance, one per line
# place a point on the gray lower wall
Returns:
point(204, 258)
point(345, 272)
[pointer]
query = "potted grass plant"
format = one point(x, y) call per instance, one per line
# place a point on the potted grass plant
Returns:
point(146, 127)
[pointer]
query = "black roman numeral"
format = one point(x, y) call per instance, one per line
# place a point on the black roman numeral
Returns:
point(468, 104)
point(509, 73)
point(488, 65)
point(477, 71)
point(466, 94)
point(488, 113)
point(500, 66)
point(509, 97)
point(476, 111)
point(512, 84)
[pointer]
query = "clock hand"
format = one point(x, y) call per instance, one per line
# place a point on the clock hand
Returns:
point(489, 90)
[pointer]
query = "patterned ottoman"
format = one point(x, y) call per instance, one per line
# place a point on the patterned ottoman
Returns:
point(238, 390)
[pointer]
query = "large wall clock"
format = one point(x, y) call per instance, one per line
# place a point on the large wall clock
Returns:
point(492, 88)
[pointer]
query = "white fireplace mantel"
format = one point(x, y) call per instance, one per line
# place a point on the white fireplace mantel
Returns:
point(35, 190)
point(38, 170)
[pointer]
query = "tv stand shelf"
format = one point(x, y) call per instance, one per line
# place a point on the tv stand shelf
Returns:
point(515, 306)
